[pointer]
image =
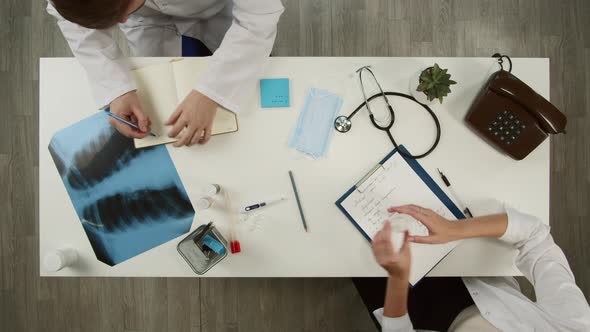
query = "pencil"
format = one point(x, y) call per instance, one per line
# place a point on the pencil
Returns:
point(298, 201)
point(129, 123)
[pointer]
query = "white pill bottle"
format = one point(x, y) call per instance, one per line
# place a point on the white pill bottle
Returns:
point(58, 259)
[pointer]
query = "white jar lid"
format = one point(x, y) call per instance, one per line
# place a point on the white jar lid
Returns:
point(397, 239)
point(211, 190)
point(203, 203)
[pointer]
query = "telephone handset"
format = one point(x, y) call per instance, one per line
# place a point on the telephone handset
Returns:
point(511, 116)
point(548, 116)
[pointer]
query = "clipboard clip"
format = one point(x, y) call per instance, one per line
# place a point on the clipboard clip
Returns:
point(366, 177)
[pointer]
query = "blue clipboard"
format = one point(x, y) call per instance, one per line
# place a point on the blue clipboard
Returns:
point(419, 171)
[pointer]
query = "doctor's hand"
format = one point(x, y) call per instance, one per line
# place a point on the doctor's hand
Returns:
point(128, 107)
point(397, 264)
point(195, 115)
point(440, 230)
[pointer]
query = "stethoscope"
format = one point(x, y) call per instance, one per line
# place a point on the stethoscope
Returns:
point(343, 123)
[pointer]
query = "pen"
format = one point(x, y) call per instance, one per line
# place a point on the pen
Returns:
point(260, 205)
point(454, 194)
point(298, 201)
point(129, 123)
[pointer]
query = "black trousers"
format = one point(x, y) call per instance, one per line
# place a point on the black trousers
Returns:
point(433, 303)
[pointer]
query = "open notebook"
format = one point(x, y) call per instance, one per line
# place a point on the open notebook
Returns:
point(398, 181)
point(162, 87)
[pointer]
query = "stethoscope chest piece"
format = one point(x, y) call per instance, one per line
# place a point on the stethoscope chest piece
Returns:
point(342, 124)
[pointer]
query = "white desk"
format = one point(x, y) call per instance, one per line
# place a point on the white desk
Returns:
point(254, 163)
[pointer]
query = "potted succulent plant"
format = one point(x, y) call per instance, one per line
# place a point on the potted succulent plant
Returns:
point(431, 84)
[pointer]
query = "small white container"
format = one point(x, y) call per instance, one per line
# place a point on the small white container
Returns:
point(204, 203)
point(58, 259)
point(397, 239)
point(211, 189)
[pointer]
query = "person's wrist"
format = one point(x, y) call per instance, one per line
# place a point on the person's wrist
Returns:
point(401, 275)
point(458, 230)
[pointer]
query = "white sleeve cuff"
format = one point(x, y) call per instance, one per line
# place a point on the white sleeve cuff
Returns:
point(393, 324)
point(216, 97)
point(110, 78)
point(103, 100)
point(522, 227)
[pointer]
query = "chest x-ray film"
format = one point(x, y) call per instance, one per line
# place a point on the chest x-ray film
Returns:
point(128, 200)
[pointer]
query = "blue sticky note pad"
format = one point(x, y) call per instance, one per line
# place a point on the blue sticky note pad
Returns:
point(274, 92)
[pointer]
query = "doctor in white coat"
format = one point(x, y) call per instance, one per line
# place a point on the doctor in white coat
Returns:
point(240, 32)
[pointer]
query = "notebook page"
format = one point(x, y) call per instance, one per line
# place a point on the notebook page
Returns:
point(156, 89)
point(395, 184)
point(187, 72)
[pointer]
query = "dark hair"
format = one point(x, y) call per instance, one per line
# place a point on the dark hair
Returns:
point(92, 14)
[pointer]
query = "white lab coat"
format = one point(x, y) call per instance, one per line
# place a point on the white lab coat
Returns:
point(240, 32)
point(560, 304)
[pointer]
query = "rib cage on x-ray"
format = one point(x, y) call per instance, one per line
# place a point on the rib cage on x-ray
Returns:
point(117, 189)
point(101, 158)
point(118, 211)
point(110, 153)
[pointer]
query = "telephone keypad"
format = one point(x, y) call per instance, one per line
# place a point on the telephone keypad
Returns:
point(507, 127)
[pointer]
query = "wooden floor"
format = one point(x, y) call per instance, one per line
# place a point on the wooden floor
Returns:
point(534, 28)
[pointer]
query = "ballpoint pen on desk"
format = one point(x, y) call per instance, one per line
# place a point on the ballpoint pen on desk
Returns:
point(454, 194)
point(298, 200)
point(129, 123)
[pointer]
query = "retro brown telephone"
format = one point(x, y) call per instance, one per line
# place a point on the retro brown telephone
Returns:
point(511, 116)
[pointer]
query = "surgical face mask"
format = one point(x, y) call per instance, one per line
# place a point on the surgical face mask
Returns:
point(313, 130)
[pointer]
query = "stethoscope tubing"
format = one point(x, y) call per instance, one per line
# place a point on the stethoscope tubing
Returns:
point(390, 124)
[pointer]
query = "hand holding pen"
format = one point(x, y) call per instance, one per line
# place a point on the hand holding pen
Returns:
point(124, 111)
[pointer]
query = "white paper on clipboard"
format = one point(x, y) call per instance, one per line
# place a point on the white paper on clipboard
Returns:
point(396, 183)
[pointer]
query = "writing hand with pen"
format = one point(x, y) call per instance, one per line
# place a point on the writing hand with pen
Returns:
point(191, 122)
point(128, 108)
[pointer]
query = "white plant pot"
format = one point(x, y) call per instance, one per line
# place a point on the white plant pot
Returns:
point(419, 95)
